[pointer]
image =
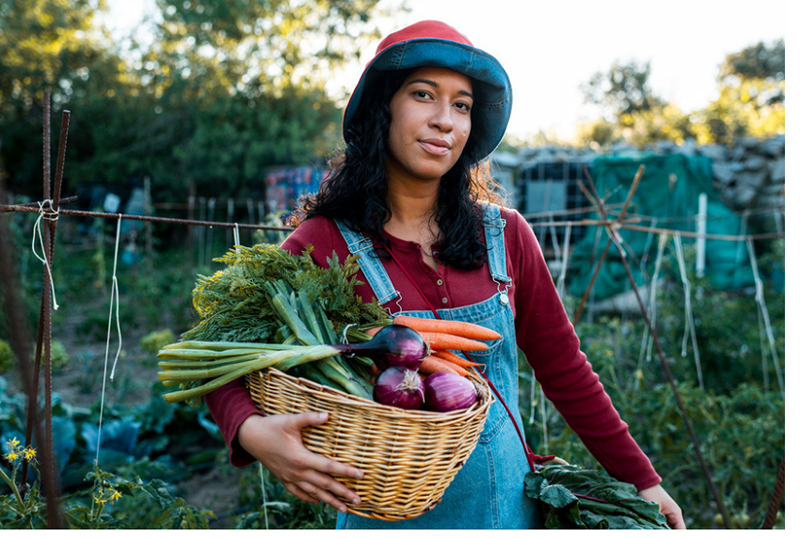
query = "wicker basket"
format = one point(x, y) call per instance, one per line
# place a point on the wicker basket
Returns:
point(408, 457)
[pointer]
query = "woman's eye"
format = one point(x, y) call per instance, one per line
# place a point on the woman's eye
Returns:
point(464, 106)
point(421, 93)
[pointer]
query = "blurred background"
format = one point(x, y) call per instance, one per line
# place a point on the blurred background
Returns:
point(228, 110)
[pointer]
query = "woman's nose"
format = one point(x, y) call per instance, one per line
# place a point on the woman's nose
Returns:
point(442, 117)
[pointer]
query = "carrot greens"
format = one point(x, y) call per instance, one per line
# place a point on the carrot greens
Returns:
point(268, 308)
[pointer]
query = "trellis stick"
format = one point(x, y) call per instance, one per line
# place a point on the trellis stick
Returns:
point(43, 340)
point(776, 497)
point(613, 237)
point(636, 179)
point(20, 344)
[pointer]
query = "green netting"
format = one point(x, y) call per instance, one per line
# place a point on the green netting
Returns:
point(668, 191)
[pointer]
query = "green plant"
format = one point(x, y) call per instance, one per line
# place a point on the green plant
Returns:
point(153, 342)
point(738, 414)
point(283, 510)
point(16, 510)
point(59, 358)
point(8, 360)
point(142, 505)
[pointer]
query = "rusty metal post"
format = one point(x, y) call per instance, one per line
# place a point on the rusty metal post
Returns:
point(777, 496)
point(44, 332)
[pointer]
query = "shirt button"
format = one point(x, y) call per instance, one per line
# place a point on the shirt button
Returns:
point(444, 300)
point(440, 282)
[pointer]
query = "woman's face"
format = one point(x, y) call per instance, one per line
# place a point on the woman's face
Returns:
point(430, 124)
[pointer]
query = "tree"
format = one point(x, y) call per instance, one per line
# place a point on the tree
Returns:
point(622, 91)
point(237, 86)
point(759, 62)
point(45, 46)
point(752, 86)
point(226, 89)
point(750, 103)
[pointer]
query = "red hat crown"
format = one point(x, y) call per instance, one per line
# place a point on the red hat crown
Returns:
point(423, 30)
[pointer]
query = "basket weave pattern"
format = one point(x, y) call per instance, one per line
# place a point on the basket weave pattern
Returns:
point(408, 457)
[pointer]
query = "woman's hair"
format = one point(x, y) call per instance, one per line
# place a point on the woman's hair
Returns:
point(357, 179)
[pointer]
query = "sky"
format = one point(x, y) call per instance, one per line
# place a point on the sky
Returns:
point(550, 47)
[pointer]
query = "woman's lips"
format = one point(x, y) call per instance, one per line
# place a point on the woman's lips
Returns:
point(435, 146)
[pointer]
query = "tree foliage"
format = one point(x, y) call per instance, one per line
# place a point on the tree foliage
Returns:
point(223, 90)
point(750, 103)
point(623, 90)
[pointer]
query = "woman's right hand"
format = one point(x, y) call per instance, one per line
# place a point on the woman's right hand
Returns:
point(276, 442)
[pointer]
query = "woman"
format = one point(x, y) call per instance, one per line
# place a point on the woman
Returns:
point(427, 110)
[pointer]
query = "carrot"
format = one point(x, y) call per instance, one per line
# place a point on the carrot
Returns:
point(373, 331)
point(439, 341)
point(432, 364)
point(449, 356)
point(447, 326)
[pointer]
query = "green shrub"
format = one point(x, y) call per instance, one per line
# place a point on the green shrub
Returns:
point(59, 358)
point(7, 358)
point(153, 342)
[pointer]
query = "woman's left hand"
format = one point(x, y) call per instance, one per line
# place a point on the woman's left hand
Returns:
point(668, 507)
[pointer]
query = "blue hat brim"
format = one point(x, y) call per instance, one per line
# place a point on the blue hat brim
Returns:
point(493, 97)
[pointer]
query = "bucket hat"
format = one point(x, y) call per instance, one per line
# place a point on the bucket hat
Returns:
point(436, 44)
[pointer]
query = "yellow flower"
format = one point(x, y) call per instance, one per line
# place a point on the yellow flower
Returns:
point(116, 496)
point(12, 444)
point(30, 453)
point(12, 456)
point(99, 497)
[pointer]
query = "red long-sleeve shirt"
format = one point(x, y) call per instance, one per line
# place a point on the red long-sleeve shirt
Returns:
point(544, 334)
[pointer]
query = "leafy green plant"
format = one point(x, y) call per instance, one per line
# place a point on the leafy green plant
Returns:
point(575, 498)
point(738, 414)
point(8, 360)
point(152, 342)
point(283, 510)
point(16, 510)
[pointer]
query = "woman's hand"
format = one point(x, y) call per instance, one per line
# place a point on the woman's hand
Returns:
point(275, 441)
point(668, 507)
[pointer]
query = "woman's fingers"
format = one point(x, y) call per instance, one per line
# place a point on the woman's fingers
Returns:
point(276, 441)
point(321, 463)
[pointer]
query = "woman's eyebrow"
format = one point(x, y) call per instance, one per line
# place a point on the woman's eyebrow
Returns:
point(435, 85)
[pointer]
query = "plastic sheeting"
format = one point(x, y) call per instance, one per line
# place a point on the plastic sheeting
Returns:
point(668, 191)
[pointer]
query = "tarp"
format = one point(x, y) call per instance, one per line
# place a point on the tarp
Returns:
point(669, 192)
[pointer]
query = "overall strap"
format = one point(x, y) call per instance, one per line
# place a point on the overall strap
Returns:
point(493, 227)
point(373, 269)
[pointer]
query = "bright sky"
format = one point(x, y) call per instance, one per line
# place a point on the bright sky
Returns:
point(550, 47)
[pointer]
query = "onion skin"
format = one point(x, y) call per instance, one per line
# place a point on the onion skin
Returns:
point(393, 345)
point(401, 387)
point(449, 392)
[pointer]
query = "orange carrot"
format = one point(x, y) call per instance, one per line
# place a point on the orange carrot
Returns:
point(439, 341)
point(432, 364)
point(458, 328)
point(449, 356)
point(373, 331)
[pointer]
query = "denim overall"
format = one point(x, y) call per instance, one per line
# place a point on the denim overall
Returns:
point(488, 492)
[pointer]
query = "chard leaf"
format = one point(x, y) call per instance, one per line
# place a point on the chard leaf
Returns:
point(600, 502)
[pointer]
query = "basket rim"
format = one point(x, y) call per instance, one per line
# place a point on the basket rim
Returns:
point(485, 397)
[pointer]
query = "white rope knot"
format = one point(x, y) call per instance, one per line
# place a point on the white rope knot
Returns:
point(46, 212)
point(344, 333)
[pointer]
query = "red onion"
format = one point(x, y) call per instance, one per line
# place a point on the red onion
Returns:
point(393, 345)
point(399, 387)
point(448, 392)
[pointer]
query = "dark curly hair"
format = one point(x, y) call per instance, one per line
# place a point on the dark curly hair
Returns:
point(358, 180)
